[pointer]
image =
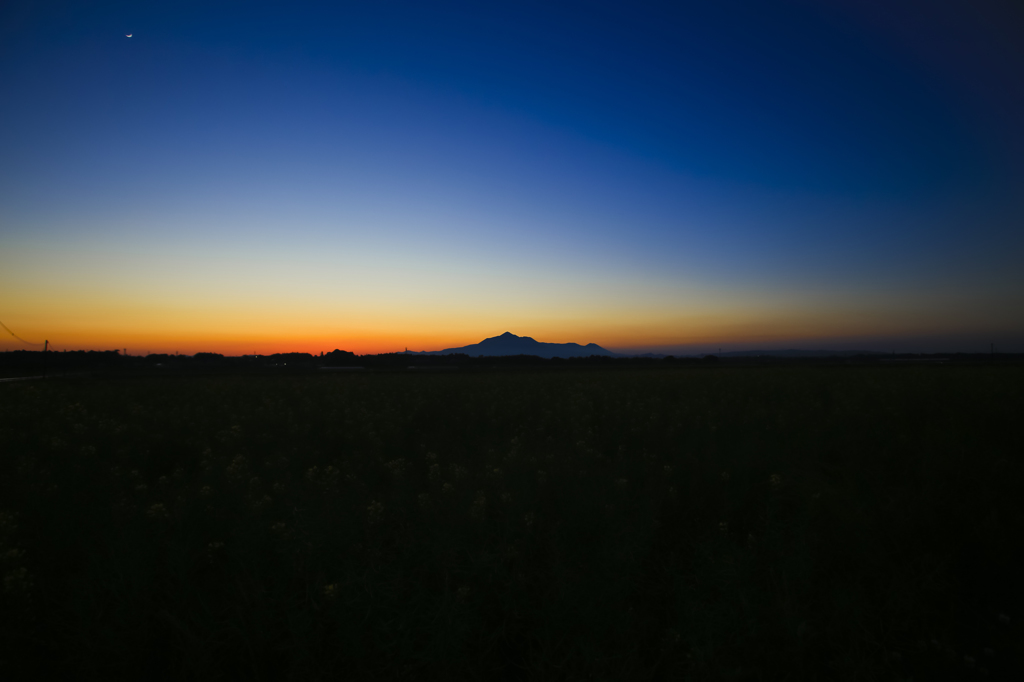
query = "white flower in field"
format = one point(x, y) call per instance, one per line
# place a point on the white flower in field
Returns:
point(723, 526)
point(212, 550)
point(396, 467)
point(12, 557)
point(331, 591)
point(375, 512)
point(17, 580)
point(205, 491)
point(236, 467)
point(157, 511)
point(479, 508)
point(447, 488)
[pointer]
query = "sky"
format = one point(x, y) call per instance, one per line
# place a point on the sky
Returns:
point(651, 177)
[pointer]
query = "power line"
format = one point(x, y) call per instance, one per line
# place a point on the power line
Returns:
point(18, 337)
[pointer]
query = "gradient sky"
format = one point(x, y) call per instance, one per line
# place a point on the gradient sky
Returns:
point(672, 177)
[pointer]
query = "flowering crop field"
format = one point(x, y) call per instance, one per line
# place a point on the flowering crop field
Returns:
point(696, 523)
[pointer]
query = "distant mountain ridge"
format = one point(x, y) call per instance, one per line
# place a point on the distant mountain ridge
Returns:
point(784, 353)
point(510, 344)
point(797, 353)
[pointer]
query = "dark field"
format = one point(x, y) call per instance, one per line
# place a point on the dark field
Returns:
point(695, 523)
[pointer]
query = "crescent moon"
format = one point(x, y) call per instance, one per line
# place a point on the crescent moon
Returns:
point(127, 35)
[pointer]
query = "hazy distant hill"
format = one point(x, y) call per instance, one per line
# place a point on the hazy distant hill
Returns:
point(510, 344)
point(785, 353)
point(798, 353)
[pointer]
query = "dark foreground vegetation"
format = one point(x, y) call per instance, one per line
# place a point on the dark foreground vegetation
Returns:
point(701, 522)
point(23, 363)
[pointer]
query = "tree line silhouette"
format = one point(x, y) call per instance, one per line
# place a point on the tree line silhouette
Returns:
point(55, 362)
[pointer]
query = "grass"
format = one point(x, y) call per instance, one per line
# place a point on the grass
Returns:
point(700, 523)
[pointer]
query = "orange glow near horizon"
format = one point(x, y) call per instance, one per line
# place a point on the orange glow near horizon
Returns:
point(220, 332)
point(227, 300)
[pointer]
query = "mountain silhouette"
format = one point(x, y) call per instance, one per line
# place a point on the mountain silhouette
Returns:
point(510, 344)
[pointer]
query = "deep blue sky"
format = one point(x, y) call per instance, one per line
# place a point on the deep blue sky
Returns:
point(641, 176)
